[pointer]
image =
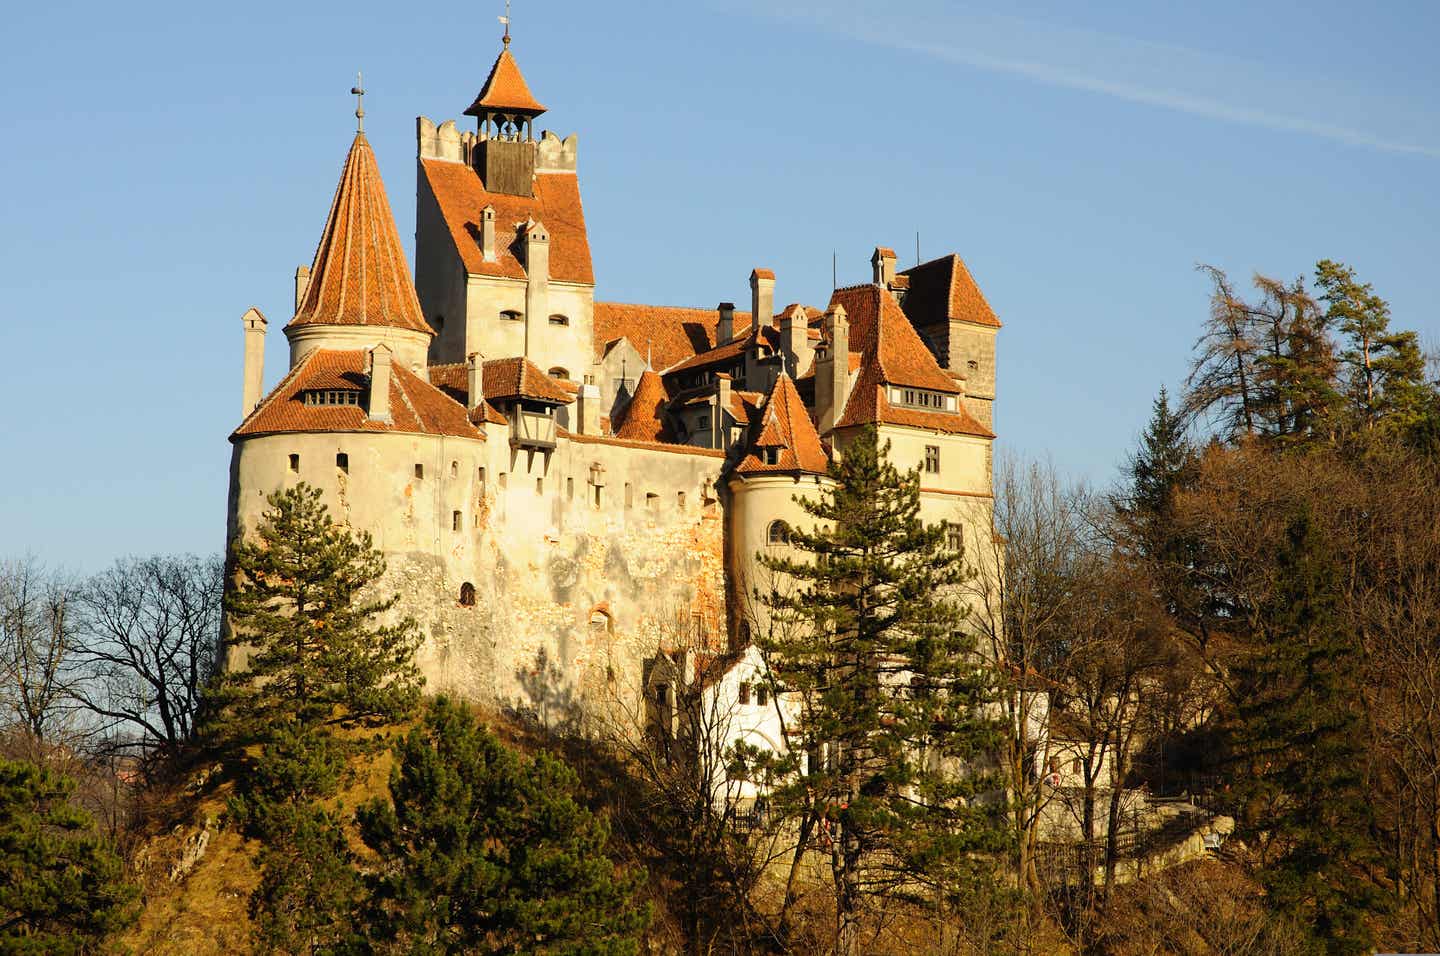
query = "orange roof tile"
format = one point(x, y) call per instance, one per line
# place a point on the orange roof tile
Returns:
point(887, 340)
point(944, 289)
point(521, 378)
point(360, 276)
point(461, 195)
point(784, 423)
point(644, 417)
point(868, 404)
point(649, 445)
point(454, 380)
point(505, 90)
point(415, 405)
point(670, 334)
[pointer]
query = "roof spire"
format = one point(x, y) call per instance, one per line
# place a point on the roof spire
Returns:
point(506, 20)
point(359, 92)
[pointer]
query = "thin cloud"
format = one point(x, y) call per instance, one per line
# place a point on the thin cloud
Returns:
point(1123, 68)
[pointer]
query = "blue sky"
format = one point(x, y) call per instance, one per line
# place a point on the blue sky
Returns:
point(168, 165)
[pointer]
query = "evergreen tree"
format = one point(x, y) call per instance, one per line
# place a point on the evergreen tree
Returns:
point(309, 888)
point(312, 648)
point(1298, 751)
point(62, 888)
point(482, 851)
point(1383, 372)
point(867, 635)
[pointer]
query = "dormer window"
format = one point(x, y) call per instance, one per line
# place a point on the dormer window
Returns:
point(922, 398)
point(331, 396)
point(510, 315)
point(770, 456)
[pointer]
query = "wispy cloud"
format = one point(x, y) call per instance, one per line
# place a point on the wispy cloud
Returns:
point(1168, 77)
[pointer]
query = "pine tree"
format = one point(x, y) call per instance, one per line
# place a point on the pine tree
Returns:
point(868, 637)
point(62, 888)
point(307, 627)
point(483, 851)
point(1298, 758)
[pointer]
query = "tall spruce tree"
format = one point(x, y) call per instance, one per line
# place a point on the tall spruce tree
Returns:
point(1298, 751)
point(868, 638)
point(62, 887)
point(483, 851)
point(307, 627)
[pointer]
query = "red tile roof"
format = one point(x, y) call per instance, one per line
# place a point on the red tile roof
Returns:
point(649, 445)
point(454, 380)
point(360, 275)
point(868, 404)
point(415, 405)
point(784, 423)
point(644, 417)
point(521, 378)
point(461, 196)
point(505, 90)
point(944, 289)
point(880, 331)
point(670, 334)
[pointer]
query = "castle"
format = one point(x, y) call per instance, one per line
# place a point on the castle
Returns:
point(568, 490)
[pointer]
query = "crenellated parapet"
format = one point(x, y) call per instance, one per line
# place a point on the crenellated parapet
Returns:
point(448, 143)
point(556, 155)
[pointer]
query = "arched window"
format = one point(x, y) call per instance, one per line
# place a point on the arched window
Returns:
point(559, 319)
point(510, 315)
point(467, 595)
point(558, 372)
point(778, 533)
point(600, 621)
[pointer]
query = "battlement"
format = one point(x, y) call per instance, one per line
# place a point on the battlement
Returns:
point(447, 143)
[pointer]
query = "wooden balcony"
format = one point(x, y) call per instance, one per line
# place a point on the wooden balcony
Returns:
point(531, 429)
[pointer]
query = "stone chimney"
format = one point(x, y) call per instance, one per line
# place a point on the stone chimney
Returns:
point(487, 234)
point(474, 380)
point(832, 371)
point(587, 409)
point(380, 359)
point(302, 283)
point(254, 375)
point(882, 264)
point(762, 297)
point(725, 324)
point(795, 340)
point(537, 284)
point(719, 434)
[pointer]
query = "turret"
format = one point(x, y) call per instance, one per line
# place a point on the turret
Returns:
point(832, 370)
point(505, 112)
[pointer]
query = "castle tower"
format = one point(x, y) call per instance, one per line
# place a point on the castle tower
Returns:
point(358, 292)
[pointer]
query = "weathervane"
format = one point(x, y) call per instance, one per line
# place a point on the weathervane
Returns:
point(359, 90)
point(506, 20)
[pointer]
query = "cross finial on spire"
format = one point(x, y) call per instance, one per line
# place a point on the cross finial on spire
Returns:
point(359, 90)
point(506, 20)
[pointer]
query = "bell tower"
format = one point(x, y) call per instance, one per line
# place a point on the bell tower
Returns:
point(505, 112)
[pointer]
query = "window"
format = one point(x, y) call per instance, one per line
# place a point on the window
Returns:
point(662, 694)
point(342, 462)
point(771, 456)
point(454, 469)
point(332, 396)
point(680, 500)
point(599, 622)
point(295, 463)
point(932, 459)
point(778, 533)
point(455, 522)
point(467, 595)
point(419, 471)
point(480, 476)
point(510, 315)
point(921, 398)
point(1076, 765)
point(504, 481)
point(569, 489)
point(560, 373)
point(704, 422)
point(651, 500)
point(955, 539)
point(597, 497)
point(744, 693)
point(539, 486)
point(558, 319)
point(762, 695)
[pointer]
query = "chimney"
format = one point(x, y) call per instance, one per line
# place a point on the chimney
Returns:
point(302, 283)
point(254, 375)
point(725, 324)
point(762, 297)
point(474, 380)
point(537, 283)
point(587, 410)
point(720, 434)
point(380, 358)
point(832, 371)
point(882, 264)
point(795, 340)
point(487, 233)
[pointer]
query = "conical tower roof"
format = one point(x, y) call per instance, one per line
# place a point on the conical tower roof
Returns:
point(505, 90)
point(360, 276)
point(645, 415)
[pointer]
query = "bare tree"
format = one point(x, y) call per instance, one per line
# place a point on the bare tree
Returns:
point(151, 632)
point(37, 647)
